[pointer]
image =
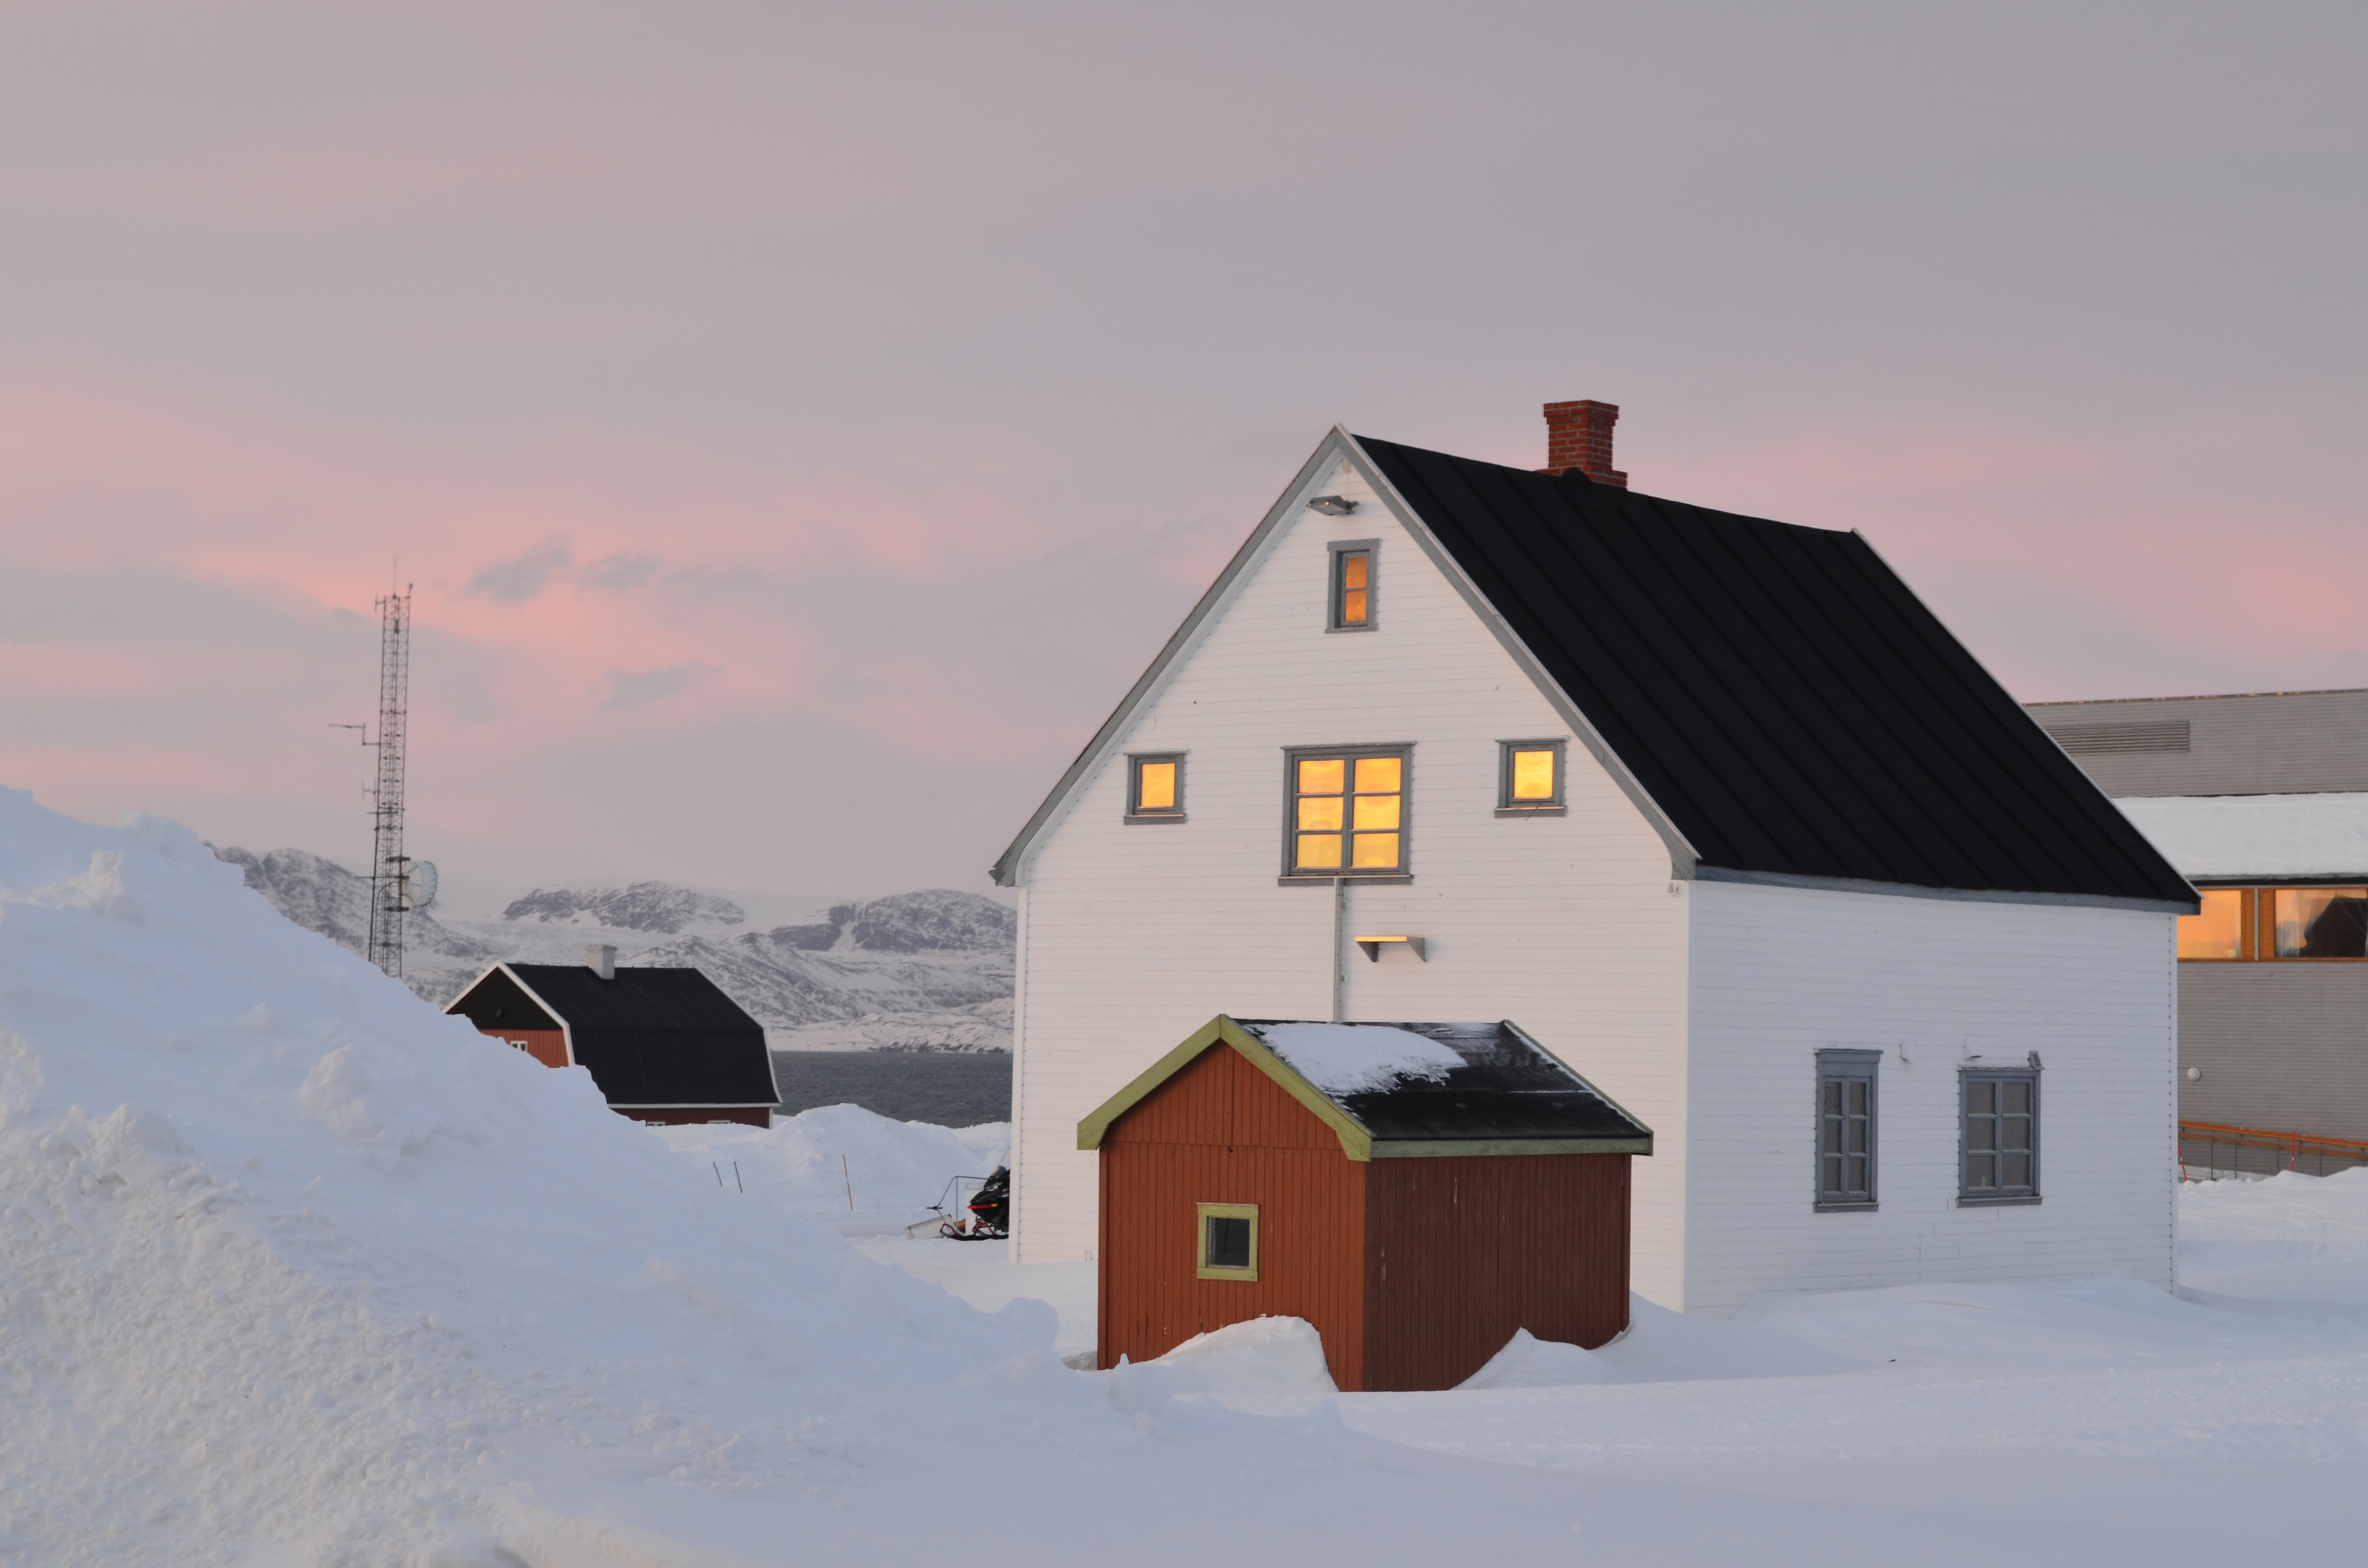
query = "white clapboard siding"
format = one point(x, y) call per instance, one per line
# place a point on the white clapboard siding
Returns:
point(1781, 972)
point(1134, 934)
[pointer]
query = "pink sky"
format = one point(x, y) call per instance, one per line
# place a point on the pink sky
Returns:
point(802, 424)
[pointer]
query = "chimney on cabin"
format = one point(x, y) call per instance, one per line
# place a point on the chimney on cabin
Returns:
point(1578, 435)
point(601, 959)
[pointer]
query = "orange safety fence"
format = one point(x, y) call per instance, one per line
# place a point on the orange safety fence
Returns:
point(2294, 1147)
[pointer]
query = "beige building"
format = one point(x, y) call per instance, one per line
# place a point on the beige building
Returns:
point(2261, 799)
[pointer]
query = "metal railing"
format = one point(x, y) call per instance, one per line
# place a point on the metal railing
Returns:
point(2203, 1146)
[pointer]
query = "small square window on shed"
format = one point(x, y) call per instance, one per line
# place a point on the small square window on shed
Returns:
point(1528, 777)
point(1229, 1238)
point(1154, 787)
point(1353, 585)
point(1846, 1104)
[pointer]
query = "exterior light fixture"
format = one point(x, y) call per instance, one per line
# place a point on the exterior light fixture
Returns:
point(1332, 506)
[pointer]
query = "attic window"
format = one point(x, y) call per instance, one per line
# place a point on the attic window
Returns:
point(1229, 1241)
point(1154, 787)
point(1528, 775)
point(1353, 583)
point(1347, 813)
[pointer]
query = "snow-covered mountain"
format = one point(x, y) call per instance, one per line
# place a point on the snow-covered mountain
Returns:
point(926, 971)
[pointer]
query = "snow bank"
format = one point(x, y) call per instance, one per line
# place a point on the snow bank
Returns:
point(1349, 1058)
point(1266, 1355)
point(289, 1261)
point(895, 1168)
point(2301, 1239)
point(2256, 836)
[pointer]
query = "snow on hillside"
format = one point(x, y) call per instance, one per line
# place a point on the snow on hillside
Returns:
point(926, 971)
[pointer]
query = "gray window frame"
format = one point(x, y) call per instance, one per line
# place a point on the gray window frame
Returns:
point(1292, 757)
point(1837, 1064)
point(1967, 1198)
point(1334, 590)
point(1508, 807)
point(1134, 812)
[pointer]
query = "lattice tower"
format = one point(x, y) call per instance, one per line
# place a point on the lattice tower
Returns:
point(389, 868)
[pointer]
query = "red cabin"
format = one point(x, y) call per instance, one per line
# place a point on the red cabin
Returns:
point(664, 1045)
point(1415, 1191)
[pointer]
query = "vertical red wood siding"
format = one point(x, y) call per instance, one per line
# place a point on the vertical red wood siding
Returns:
point(546, 1046)
point(1462, 1252)
point(1221, 1131)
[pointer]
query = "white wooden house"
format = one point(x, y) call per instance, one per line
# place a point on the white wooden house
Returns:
point(1713, 805)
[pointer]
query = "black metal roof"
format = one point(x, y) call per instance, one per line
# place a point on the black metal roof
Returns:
point(1509, 1088)
point(1777, 691)
point(650, 1037)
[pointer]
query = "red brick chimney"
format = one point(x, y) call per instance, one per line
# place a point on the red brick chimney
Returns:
point(1578, 435)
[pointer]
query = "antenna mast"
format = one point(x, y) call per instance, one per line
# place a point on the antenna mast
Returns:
point(389, 868)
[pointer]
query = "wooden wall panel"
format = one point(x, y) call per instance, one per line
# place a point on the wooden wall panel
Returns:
point(546, 1046)
point(1221, 1132)
point(1462, 1252)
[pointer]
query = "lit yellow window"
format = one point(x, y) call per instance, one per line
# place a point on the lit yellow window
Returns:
point(1534, 775)
point(1157, 786)
point(1531, 777)
point(1349, 813)
point(2217, 930)
point(1352, 588)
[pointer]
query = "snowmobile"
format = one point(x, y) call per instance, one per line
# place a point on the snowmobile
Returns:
point(990, 1211)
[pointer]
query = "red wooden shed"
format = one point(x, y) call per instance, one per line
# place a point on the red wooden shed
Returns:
point(664, 1045)
point(1415, 1191)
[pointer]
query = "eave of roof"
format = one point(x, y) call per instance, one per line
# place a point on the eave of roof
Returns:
point(1358, 1140)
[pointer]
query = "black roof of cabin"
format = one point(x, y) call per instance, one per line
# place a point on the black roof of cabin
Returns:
point(1777, 691)
point(1509, 1088)
point(650, 1037)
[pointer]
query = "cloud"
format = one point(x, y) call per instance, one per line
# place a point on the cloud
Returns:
point(626, 569)
point(636, 688)
point(521, 577)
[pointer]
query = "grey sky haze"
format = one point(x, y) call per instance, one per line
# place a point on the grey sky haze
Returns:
point(802, 423)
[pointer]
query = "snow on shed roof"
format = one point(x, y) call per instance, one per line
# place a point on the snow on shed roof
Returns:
point(1406, 1088)
point(2233, 836)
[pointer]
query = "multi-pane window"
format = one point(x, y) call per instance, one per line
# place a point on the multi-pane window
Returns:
point(1229, 1241)
point(2258, 924)
point(1529, 776)
point(1347, 811)
point(2217, 930)
point(2001, 1136)
point(1154, 787)
point(1353, 587)
point(2321, 923)
point(1846, 1107)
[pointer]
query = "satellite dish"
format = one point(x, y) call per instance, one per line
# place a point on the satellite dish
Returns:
point(423, 883)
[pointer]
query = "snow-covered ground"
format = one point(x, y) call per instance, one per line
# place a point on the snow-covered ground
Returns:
point(294, 1270)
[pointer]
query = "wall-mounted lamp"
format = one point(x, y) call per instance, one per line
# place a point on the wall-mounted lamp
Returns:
point(1332, 506)
point(1374, 945)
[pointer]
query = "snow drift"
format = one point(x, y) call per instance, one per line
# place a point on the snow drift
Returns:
point(288, 1259)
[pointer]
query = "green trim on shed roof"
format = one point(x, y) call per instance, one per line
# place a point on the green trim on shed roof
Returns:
point(1355, 1141)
